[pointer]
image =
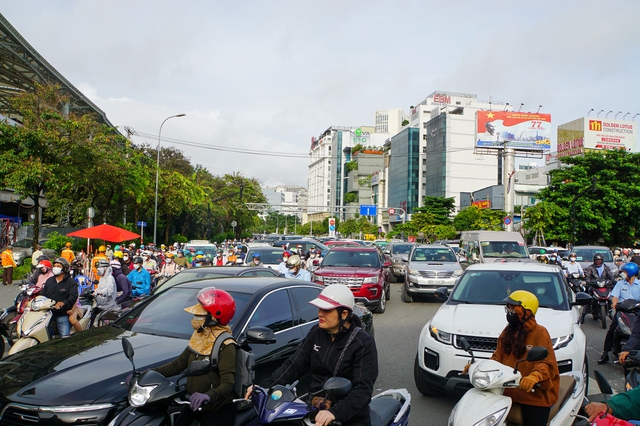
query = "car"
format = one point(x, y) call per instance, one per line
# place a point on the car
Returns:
point(584, 256)
point(475, 310)
point(427, 268)
point(22, 249)
point(363, 269)
point(397, 251)
point(306, 243)
point(207, 248)
point(269, 256)
point(79, 380)
point(209, 272)
point(342, 243)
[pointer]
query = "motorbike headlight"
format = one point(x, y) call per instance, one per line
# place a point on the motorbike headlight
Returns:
point(139, 395)
point(601, 283)
point(492, 419)
point(414, 272)
point(624, 328)
point(482, 379)
point(562, 341)
point(370, 280)
point(36, 304)
point(439, 335)
point(457, 273)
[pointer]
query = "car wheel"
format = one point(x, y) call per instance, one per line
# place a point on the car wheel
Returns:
point(382, 306)
point(388, 291)
point(421, 383)
point(405, 296)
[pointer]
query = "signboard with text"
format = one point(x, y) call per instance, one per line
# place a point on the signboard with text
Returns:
point(520, 130)
point(593, 133)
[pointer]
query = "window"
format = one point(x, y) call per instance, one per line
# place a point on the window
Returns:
point(302, 296)
point(274, 312)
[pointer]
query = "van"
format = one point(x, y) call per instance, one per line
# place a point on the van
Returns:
point(493, 246)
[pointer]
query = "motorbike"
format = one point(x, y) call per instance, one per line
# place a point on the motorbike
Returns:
point(632, 369)
point(33, 326)
point(626, 314)
point(576, 283)
point(601, 300)
point(28, 292)
point(604, 419)
point(4, 332)
point(485, 403)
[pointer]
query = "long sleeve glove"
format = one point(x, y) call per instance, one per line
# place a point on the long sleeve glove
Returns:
point(197, 399)
point(527, 382)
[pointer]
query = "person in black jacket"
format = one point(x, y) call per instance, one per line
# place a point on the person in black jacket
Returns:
point(122, 282)
point(323, 354)
point(64, 290)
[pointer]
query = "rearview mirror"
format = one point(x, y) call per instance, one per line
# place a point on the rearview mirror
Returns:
point(537, 353)
point(582, 299)
point(127, 348)
point(441, 293)
point(338, 386)
point(261, 335)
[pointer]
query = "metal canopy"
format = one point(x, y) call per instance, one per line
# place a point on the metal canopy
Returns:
point(21, 67)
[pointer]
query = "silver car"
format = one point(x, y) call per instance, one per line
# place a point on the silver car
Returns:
point(398, 251)
point(427, 268)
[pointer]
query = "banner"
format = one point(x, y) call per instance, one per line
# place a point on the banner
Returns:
point(520, 130)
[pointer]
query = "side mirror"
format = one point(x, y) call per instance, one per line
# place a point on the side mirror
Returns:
point(386, 264)
point(128, 351)
point(603, 384)
point(582, 299)
point(261, 335)
point(338, 386)
point(387, 252)
point(537, 353)
point(198, 368)
point(463, 259)
point(441, 293)
point(405, 259)
point(464, 344)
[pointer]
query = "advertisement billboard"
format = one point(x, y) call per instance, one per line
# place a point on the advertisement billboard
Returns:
point(520, 130)
point(585, 134)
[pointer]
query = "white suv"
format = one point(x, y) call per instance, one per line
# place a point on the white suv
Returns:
point(475, 311)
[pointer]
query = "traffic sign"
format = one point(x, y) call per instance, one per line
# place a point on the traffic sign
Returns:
point(368, 210)
point(234, 224)
point(507, 220)
point(392, 211)
point(141, 223)
point(332, 226)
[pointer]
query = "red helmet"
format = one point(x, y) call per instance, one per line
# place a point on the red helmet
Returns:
point(218, 303)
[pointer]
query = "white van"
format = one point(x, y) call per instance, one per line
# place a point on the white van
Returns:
point(493, 246)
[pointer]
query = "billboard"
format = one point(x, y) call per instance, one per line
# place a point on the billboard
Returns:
point(520, 130)
point(585, 134)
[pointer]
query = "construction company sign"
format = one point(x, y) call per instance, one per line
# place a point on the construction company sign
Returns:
point(584, 134)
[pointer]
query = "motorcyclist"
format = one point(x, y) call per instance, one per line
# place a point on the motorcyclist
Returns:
point(106, 291)
point(170, 268)
point(44, 267)
point(598, 269)
point(573, 267)
point(64, 291)
point(149, 263)
point(213, 391)
point(123, 285)
point(180, 260)
point(618, 261)
point(256, 259)
point(554, 259)
point(295, 271)
point(624, 406)
point(198, 261)
point(220, 259)
point(127, 262)
point(101, 255)
point(140, 279)
point(337, 346)
point(627, 288)
point(282, 266)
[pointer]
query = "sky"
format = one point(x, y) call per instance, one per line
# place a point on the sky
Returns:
point(265, 76)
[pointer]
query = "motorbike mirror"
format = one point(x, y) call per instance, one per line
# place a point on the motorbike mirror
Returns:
point(405, 259)
point(198, 368)
point(441, 293)
point(603, 384)
point(338, 386)
point(316, 262)
point(464, 344)
point(537, 353)
point(261, 335)
point(128, 351)
point(581, 299)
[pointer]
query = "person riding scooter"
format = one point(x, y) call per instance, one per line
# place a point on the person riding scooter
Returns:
point(64, 291)
point(624, 406)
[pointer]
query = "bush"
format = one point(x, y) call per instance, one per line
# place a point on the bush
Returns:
point(21, 271)
point(57, 241)
point(179, 238)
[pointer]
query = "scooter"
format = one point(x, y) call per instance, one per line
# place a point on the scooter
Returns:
point(605, 419)
point(4, 332)
point(601, 300)
point(576, 282)
point(281, 404)
point(22, 300)
point(486, 404)
point(626, 313)
point(33, 326)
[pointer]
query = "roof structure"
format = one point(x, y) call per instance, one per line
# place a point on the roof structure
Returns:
point(21, 67)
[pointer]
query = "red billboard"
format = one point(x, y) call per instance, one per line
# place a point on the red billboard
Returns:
point(519, 130)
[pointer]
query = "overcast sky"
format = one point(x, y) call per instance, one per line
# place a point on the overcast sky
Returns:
point(268, 75)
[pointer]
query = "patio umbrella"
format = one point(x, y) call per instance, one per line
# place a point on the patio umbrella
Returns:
point(105, 232)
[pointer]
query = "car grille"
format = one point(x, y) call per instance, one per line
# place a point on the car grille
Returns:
point(16, 416)
point(348, 281)
point(478, 343)
point(436, 274)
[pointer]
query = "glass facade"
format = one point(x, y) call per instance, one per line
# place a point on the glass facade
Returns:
point(436, 170)
point(404, 165)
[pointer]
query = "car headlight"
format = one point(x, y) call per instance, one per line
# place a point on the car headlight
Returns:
point(318, 278)
point(457, 273)
point(414, 272)
point(370, 280)
point(439, 335)
point(562, 341)
point(139, 395)
point(492, 419)
point(482, 379)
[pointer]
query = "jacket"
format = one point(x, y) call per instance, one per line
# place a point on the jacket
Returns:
point(318, 354)
point(218, 383)
point(591, 273)
point(626, 405)
point(123, 285)
point(547, 368)
point(140, 282)
point(68, 254)
point(61, 291)
point(106, 292)
point(7, 259)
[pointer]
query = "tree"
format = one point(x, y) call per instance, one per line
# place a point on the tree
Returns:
point(441, 208)
point(545, 217)
point(474, 218)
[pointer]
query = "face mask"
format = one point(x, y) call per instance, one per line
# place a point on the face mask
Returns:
point(101, 271)
point(623, 275)
point(125, 258)
point(513, 319)
point(198, 321)
point(553, 258)
point(179, 254)
point(198, 264)
point(139, 266)
point(169, 260)
point(57, 270)
point(573, 259)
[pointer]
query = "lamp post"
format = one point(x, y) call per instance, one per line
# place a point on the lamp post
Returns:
point(155, 210)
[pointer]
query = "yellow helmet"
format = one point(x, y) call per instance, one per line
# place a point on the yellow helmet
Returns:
point(523, 298)
point(68, 244)
point(118, 254)
point(102, 249)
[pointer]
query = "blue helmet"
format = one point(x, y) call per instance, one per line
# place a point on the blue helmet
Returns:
point(630, 268)
point(199, 252)
point(256, 254)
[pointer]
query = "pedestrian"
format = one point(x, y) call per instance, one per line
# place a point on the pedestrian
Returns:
point(8, 264)
point(34, 257)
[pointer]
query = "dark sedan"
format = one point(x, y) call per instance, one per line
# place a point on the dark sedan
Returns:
point(207, 273)
point(78, 380)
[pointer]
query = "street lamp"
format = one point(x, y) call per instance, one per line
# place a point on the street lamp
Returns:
point(155, 210)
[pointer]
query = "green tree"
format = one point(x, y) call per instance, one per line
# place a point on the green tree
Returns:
point(441, 208)
point(545, 217)
point(474, 218)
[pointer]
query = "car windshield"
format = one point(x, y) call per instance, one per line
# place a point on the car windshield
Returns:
point(492, 287)
point(401, 248)
point(164, 315)
point(269, 255)
point(368, 259)
point(24, 243)
point(586, 255)
point(423, 254)
point(502, 249)
point(209, 250)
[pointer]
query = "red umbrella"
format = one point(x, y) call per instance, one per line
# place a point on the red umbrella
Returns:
point(105, 232)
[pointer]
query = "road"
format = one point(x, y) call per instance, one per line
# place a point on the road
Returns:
point(397, 332)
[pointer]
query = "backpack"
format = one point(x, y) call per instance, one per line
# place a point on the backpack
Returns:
point(245, 368)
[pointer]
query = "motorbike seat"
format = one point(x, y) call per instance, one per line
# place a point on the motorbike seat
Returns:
point(567, 384)
point(244, 416)
point(383, 409)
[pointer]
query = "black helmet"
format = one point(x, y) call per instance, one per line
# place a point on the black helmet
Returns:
point(102, 263)
point(137, 259)
point(598, 256)
point(64, 262)
point(42, 257)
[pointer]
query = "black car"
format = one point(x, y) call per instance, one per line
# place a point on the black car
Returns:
point(209, 272)
point(79, 380)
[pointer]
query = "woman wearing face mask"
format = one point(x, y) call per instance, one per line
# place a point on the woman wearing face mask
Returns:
point(213, 392)
point(521, 334)
point(106, 291)
point(170, 268)
point(45, 272)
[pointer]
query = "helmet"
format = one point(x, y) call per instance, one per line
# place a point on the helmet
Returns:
point(200, 253)
point(218, 303)
point(118, 254)
point(636, 251)
point(102, 263)
point(522, 298)
point(294, 261)
point(137, 259)
point(117, 247)
point(68, 244)
point(287, 253)
point(256, 254)
point(170, 255)
point(115, 264)
point(616, 252)
point(64, 262)
point(102, 249)
point(598, 256)
point(625, 251)
point(162, 246)
point(44, 264)
point(630, 268)
point(334, 296)
point(199, 258)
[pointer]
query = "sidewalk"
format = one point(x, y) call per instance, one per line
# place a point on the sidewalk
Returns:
point(8, 293)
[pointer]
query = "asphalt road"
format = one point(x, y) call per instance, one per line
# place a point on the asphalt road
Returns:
point(397, 332)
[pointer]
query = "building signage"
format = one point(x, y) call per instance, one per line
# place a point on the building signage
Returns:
point(585, 134)
point(441, 99)
point(358, 136)
point(482, 204)
point(520, 130)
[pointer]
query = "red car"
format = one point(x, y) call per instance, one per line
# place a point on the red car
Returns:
point(363, 269)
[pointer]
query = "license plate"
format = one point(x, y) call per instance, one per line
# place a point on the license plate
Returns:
point(435, 281)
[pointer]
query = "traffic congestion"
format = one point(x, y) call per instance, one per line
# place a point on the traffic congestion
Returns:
point(555, 299)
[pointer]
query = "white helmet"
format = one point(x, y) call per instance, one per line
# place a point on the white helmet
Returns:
point(293, 261)
point(636, 251)
point(334, 296)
